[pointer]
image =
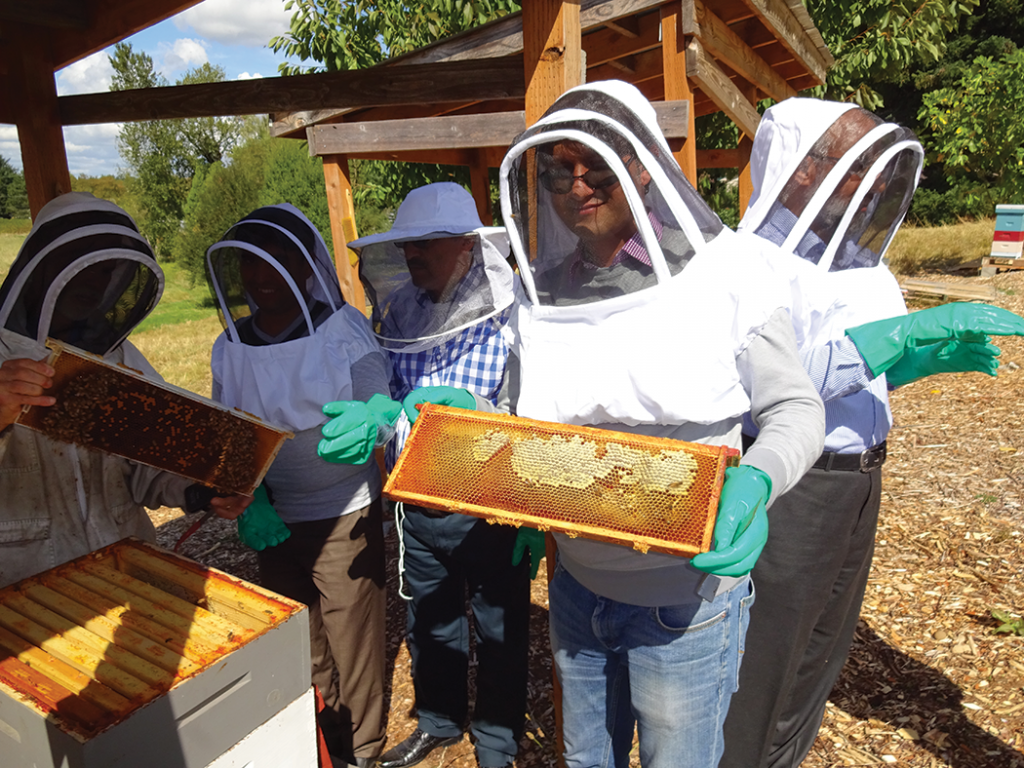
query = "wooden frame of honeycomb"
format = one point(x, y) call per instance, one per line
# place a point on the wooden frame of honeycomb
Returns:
point(117, 410)
point(645, 492)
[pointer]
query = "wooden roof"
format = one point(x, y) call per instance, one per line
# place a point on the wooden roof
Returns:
point(768, 45)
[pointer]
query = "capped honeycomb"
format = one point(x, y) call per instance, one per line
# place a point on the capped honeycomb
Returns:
point(94, 640)
point(116, 410)
point(645, 492)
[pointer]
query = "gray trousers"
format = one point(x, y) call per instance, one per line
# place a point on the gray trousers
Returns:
point(336, 567)
point(810, 583)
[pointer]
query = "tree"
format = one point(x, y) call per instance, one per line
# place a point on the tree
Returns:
point(975, 132)
point(164, 155)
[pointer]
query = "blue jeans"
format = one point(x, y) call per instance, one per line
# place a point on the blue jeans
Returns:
point(670, 670)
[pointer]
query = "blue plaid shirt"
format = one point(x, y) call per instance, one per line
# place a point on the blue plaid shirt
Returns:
point(475, 359)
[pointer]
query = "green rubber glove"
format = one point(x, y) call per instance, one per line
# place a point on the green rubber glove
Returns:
point(741, 529)
point(533, 540)
point(945, 357)
point(456, 398)
point(357, 428)
point(883, 342)
point(259, 526)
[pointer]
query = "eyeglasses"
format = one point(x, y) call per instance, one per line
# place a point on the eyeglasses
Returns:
point(560, 179)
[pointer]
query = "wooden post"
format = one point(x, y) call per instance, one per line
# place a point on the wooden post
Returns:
point(746, 143)
point(343, 229)
point(480, 181)
point(553, 63)
point(34, 90)
point(677, 86)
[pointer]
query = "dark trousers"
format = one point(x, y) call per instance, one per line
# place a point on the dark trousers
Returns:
point(336, 567)
point(810, 583)
point(446, 558)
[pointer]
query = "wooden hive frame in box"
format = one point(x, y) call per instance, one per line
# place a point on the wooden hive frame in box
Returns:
point(646, 492)
point(117, 410)
point(91, 645)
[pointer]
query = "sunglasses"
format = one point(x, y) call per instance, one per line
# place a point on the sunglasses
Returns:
point(560, 179)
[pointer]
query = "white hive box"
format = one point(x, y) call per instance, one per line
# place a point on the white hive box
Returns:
point(133, 656)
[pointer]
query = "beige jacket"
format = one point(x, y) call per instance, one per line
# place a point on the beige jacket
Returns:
point(58, 502)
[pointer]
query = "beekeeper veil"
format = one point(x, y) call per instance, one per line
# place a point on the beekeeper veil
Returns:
point(596, 205)
point(274, 260)
point(436, 272)
point(84, 276)
point(832, 182)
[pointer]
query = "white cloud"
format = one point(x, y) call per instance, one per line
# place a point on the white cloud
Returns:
point(180, 55)
point(236, 22)
point(247, 76)
point(10, 148)
point(92, 149)
point(89, 75)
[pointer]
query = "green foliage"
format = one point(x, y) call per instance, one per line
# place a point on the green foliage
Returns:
point(880, 41)
point(976, 132)
point(112, 188)
point(1011, 625)
point(164, 155)
point(292, 176)
point(13, 196)
point(353, 34)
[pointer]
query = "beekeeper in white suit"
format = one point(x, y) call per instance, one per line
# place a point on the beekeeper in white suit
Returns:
point(290, 344)
point(832, 184)
point(642, 313)
point(86, 277)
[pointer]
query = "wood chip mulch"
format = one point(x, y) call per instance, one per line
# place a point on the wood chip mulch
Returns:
point(928, 683)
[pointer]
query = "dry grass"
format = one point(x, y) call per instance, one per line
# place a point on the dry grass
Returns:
point(181, 352)
point(920, 248)
point(9, 245)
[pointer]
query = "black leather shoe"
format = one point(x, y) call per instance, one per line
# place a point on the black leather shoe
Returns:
point(414, 749)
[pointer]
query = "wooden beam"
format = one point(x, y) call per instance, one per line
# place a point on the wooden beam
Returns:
point(454, 132)
point(551, 52)
point(112, 21)
point(493, 155)
point(33, 88)
point(460, 81)
point(725, 45)
point(718, 158)
point(69, 14)
point(343, 229)
point(722, 91)
point(480, 182)
point(605, 45)
point(627, 27)
point(744, 147)
point(646, 66)
point(677, 85)
point(777, 16)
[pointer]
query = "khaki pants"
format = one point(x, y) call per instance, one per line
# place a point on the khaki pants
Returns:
point(336, 567)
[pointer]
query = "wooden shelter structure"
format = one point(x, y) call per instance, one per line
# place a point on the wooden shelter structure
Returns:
point(459, 101)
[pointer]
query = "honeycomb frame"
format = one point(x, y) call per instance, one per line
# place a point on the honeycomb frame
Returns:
point(649, 493)
point(116, 409)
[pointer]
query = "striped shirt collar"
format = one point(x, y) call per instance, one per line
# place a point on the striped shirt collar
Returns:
point(634, 248)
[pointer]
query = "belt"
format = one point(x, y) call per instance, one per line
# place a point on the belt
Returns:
point(866, 461)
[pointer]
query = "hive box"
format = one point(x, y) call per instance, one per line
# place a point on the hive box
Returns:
point(133, 656)
point(1008, 239)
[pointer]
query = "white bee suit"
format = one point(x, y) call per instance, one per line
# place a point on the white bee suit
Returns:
point(660, 349)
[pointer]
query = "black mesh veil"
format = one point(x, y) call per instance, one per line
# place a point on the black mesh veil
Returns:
point(84, 276)
point(596, 205)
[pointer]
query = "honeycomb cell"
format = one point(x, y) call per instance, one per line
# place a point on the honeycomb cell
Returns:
point(115, 410)
point(645, 492)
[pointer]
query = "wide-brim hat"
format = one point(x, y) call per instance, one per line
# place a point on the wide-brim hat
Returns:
point(434, 211)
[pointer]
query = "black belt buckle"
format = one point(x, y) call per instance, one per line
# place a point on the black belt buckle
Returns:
point(873, 459)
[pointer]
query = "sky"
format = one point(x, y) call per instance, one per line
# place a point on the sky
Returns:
point(232, 34)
